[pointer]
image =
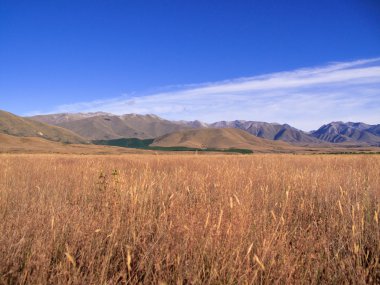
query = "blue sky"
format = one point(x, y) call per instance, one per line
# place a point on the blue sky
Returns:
point(299, 62)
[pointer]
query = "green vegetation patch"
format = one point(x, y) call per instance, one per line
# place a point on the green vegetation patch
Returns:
point(131, 142)
point(144, 144)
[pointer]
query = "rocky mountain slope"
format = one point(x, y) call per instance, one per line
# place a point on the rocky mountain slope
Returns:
point(270, 131)
point(339, 132)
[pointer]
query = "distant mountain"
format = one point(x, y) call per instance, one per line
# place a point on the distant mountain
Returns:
point(55, 119)
point(354, 133)
point(194, 124)
point(270, 131)
point(104, 126)
point(221, 138)
point(11, 124)
point(101, 127)
point(375, 130)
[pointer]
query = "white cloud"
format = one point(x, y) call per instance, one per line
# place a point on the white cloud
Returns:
point(304, 98)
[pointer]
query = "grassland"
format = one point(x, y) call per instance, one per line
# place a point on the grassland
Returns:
point(189, 219)
point(12, 144)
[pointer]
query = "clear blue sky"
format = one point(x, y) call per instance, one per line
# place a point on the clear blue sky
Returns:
point(68, 51)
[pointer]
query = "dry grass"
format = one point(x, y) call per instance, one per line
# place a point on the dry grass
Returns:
point(12, 144)
point(186, 219)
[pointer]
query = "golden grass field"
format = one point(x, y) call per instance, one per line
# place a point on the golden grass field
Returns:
point(189, 219)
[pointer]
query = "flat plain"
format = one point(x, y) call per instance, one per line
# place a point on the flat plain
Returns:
point(189, 219)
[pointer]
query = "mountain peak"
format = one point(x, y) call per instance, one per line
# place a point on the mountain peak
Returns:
point(353, 132)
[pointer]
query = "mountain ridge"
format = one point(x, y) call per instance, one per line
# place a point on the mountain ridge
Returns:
point(349, 132)
point(101, 125)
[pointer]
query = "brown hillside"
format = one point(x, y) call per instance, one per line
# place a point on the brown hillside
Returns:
point(17, 126)
point(221, 139)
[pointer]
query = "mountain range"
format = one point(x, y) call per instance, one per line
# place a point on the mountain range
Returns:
point(105, 126)
point(83, 131)
point(270, 131)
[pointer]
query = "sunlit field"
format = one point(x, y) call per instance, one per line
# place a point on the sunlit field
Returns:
point(189, 219)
